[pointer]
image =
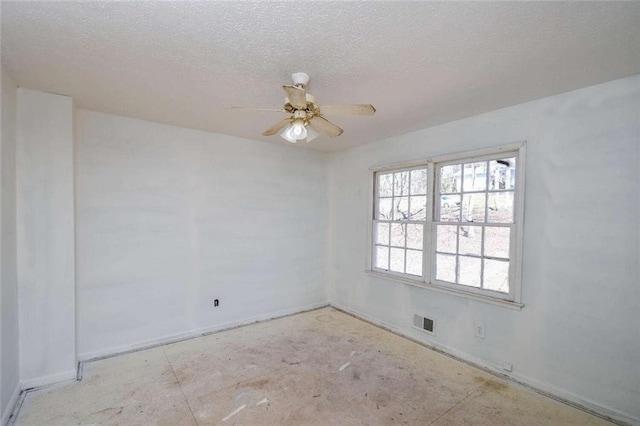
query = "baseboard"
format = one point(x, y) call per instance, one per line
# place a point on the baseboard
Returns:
point(9, 409)
point(52, 379)
point(577, 401)
point(542, 388)
point(173, 338)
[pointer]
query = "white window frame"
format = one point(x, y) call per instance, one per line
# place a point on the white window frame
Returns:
point(427, 280)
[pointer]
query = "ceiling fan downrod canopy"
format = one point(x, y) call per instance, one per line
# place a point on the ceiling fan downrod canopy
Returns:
point(300, 79)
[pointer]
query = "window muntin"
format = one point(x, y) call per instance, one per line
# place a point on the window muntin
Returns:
point(471, 241)
point(399, 221)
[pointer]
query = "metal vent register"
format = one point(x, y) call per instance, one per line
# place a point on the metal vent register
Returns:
point(424, 324)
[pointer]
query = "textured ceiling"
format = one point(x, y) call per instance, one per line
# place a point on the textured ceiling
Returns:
point(419, 63)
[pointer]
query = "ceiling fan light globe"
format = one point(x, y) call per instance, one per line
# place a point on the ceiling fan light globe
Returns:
point(311, 134)
point(286, 134)
point(295, 132)
point(298, 130)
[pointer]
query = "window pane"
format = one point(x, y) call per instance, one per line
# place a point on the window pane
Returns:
point(418, 209)
point(469, 273)
point(382, 257)
point(385, 185)
point(397, 234)
point(446, 235)
point(470, 241)
point(446, 267)
point(450, 208)
point(414, 262)
point(502, 174)
point(382, 233)
point(500, 207)
point(496, 275)
point(475, 176)
point(419, 182)
point(496, 241)
point(414, 236)
point(450, 179)
point(401, 184)
point(397, 260)
point(401, 208)
point(473, 207)
point(384, 208)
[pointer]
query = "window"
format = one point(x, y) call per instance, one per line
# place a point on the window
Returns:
point(399, 223)
point(452, 222)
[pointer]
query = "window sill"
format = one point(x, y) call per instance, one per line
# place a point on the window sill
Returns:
point(421, 284)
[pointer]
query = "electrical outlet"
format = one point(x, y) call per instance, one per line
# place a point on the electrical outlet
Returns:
point(216, 303)
point(479, 330)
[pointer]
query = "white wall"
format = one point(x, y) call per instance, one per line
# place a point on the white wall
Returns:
point(579, 332)
point(9, 362)
point(169, 219)
point(45, 237)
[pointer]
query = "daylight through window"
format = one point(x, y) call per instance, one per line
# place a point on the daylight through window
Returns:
point(399, 223)
point(450, 223)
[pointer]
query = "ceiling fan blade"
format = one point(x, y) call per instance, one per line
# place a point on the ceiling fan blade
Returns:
point(324, 126)
point(257, 109)
point(276, 127)
point(359, 109)
point(297, 96)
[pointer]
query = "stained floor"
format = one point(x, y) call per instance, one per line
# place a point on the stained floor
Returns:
point(320, 367)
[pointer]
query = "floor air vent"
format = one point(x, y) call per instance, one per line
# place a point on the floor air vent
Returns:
point(425, 324)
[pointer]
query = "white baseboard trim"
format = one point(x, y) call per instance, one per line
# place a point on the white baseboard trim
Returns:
point(542, 388)
point(173, 338)
point(52, 379)
point(11, 406)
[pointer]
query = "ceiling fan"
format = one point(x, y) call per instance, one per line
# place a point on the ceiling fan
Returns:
point(305, 120)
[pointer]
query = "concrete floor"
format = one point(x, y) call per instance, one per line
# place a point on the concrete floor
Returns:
point(321, 367)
